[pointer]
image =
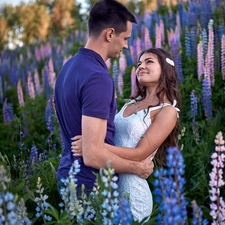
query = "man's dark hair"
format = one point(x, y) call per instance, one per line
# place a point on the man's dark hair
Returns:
point(109, 13)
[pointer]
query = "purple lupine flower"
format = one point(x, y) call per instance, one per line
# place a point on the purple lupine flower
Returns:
point(30, 86)
point(187, 43)
point(216, 182)
point(34, 154)
point(207, 102)
point(223, 57)
point(174, 42)
point(49, 115)
point(194, 113)
point(47, 86)
point(210, 53)
point(197, 215)
point(7, 112)
point(168, 190)
point(200, 60)
point(123, 214)
point(1, 90)
point(204, 42)
point(20, 94)
point(193, 37)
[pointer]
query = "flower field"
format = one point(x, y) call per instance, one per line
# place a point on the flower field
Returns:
point(189, 190)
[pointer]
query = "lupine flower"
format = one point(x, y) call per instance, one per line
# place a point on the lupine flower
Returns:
point(158, 40)
point(187, 43)
point(147, 40)
point(133, 81)
point(34, 154)
point(12, 212)
point(194, 114)
point(210, 53)
point(200, 60)
point(115, 73)
point(216, 182)
point(168, 190)
point(47, 86)
point(197, 215)
point(37, 82)
point(7, 112)
point(69, 197)
point(193, 33)
point(223, 57)
point(41, 202)
point(110, 204)
point(123, 213)
point(204, 42)
point(1, 90)
point(30, 86)
point(207, 101)
point(20, 94)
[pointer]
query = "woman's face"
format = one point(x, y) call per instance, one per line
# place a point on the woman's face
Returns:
point(148, 69)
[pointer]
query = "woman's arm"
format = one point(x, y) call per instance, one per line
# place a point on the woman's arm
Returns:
point(161, 127)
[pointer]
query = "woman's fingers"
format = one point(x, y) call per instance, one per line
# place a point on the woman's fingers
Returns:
point(77, 137)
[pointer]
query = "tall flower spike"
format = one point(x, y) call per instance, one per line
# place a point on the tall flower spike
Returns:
point(223, 57)
point(169, 190)
point(216, 182)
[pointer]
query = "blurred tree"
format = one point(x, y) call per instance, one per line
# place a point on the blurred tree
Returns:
point(35, 21)
point(11, 29)
point(61, 16)
point(4, 29)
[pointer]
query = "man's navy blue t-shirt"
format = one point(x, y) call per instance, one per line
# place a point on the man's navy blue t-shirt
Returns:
point(83, 87)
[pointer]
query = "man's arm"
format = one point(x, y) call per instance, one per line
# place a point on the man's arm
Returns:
point(154, 136)
point(96, 155)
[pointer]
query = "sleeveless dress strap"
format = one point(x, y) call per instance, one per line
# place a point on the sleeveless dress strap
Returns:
point(166, 104)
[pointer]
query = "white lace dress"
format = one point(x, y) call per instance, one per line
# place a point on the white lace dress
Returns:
point(129, 130)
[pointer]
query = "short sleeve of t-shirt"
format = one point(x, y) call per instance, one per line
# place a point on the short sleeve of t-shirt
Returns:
point(97, 96)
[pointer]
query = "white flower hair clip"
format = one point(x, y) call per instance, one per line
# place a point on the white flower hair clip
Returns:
point(171, 62)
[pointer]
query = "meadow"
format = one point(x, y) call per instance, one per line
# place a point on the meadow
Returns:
point(189, 190)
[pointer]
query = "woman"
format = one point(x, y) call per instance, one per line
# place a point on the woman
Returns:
point(147, 124)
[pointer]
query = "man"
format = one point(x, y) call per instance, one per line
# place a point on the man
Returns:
point(84, 97)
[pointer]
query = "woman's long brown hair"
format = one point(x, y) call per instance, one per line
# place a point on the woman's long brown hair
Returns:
point(168, 87)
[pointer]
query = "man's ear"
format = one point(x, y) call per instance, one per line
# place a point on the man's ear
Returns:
point(109, 34)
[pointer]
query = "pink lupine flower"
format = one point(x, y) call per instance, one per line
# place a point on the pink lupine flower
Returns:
point(147, 39)
point(37, 82)
point(158, 40)
point(133, 81)
point(20, 94)
point(30, 86)
point(122, 63)
point(217, 205)
point(120, 84)
point(108, 63)
point(161, 27)
point(200, 60)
